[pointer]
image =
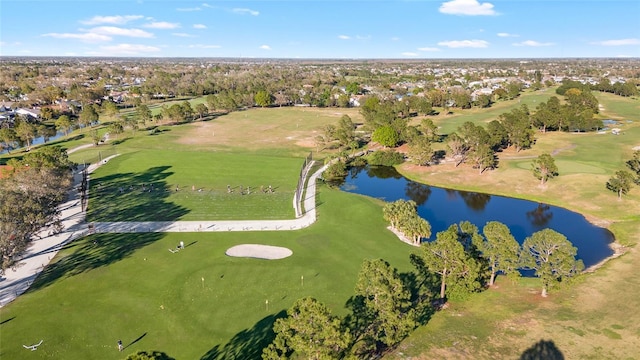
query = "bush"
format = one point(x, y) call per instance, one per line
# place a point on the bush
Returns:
point(337, 170)
point(385, 158)
point(144, 355)
point(358, 161)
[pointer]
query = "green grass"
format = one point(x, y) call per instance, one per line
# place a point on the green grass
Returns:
point(611, 334)
point(130, 285)
point(449, 123)
point(93, 295)
point(116, 190)
point(618, 107)
point(578, 317)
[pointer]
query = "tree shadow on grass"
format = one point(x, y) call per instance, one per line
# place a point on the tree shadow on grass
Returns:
point(93, 252)
point(133, 197)
point(542, 350)
point(248, 343)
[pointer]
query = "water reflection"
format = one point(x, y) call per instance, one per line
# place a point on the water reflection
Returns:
point(475, 201)
point(417, 192)
point(444, 207)
point(540, 216)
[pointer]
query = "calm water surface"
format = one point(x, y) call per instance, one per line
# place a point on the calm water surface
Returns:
point(443, 207)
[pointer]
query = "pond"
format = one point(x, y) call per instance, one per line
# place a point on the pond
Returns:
point(41, 140)
point(443, 207)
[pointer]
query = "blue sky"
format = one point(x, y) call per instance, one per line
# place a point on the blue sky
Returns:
point(321, 29)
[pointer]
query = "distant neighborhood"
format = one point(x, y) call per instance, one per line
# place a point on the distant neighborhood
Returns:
point(39, 91)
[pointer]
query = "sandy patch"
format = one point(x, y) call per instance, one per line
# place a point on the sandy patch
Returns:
point(401, 236)
point(259, 251)
point(636, 148)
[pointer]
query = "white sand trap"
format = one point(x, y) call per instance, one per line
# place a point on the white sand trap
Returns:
point(259, 251)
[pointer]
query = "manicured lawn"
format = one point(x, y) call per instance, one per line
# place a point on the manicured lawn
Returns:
point(164, 185)
point(96, 294)
point(449, 123)
point(129, 286)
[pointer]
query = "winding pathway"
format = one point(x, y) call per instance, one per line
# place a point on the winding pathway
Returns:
point(45, 245)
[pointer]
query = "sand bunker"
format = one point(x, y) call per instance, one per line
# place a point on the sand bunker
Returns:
point(259, 251)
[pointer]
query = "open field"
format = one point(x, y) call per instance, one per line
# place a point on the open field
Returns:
point(94, 295)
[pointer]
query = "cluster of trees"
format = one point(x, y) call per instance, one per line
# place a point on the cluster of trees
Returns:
point(342, 136)
point(618, 88)
point(25, 128)
point(623, 180)
point(403, 216)
point(466, 260)
point(383, 311)
point(387, 306)
point(29, 198)
point(477, 145)
point(23, 132)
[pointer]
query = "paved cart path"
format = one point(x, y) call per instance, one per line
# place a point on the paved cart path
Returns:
point(45, 245)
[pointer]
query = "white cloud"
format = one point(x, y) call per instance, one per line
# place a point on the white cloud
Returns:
point(344, 37)
point(86, 37)
point(206, 5)
point(533, 43)
point(203, 46)
point(116, 20)
point(623, 56)
point(199, 26)
point(467, 7)
point(464, 44)
point(410, 54)
point(129, 49)
point(429, 49)
point(361, 37)
point(243, 11)
point(395, 38)
point(504, 34)
point(182, 35)
point(15, 43)
point(113, 30)
point(265, 47)
point(189, 9)
point(619, 42)
point(161, 25)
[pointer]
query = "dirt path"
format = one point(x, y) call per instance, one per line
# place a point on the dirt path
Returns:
point(553, 153)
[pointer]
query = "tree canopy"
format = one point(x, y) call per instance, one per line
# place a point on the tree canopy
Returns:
point(39, 183)
point(386, 136)
point(552, 257)
point(446, 256)
point(500, 249)
point(382, 312)
point(544, 168)
point(309, 331)
point(620, 183)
